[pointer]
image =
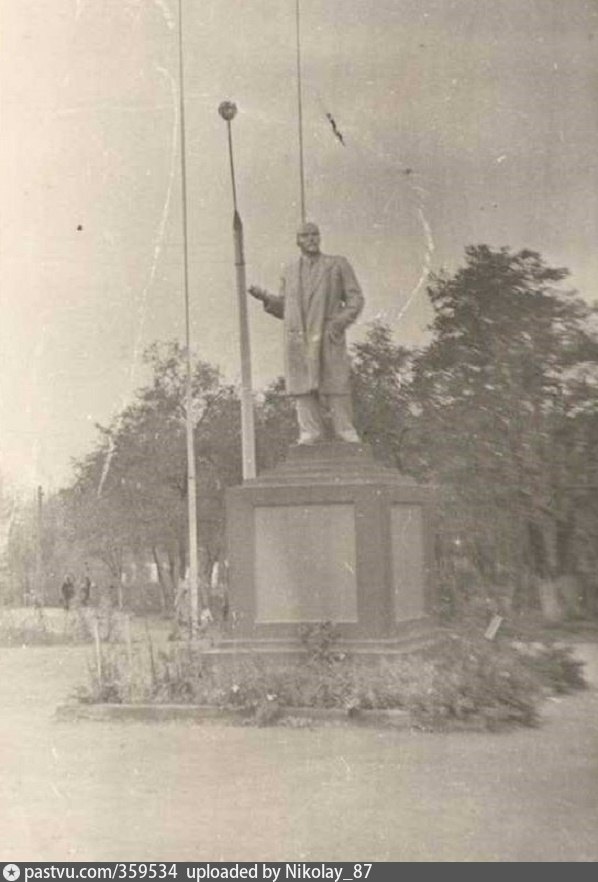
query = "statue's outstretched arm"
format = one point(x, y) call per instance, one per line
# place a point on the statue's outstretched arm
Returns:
point(273, 303)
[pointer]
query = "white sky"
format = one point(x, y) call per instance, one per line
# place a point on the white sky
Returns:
point(491, 103)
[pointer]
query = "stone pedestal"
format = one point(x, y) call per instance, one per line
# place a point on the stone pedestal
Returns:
point(328, 536)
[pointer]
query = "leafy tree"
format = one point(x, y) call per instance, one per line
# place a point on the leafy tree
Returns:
point(380, 371)
point(17, 571)
point(130, 493)
point(495, 409)
point(498, 412)
point(276, 425)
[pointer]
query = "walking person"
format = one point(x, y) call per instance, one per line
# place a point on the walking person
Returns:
point(85, 591)
point(68, 591)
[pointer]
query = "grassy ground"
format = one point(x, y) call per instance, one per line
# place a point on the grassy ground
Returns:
point(107, 791)
point(463, 680)
point(466, 681)
point(35, 626)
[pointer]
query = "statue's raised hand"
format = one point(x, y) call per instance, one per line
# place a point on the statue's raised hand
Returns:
point(258, 293)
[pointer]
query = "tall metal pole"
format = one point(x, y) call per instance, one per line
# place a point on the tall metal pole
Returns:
point(227, 111)
point(300, 111)
point(39, 575)
point(191, 473)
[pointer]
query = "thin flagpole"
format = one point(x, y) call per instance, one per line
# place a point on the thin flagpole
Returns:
point(227, 111)
point(191, 474)
point(300, 111)
point(232, 164)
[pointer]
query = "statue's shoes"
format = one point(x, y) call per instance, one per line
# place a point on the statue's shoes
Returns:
point(309, 439)
point(350, 436)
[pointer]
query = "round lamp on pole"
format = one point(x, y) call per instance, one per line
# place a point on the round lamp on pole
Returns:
point(228, 110)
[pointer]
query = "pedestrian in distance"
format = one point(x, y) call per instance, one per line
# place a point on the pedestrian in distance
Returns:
point(68, 591)
point(85, 591)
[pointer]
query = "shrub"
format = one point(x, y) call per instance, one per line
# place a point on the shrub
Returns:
point(477, 682)
point(463, 681)
point(553, 664)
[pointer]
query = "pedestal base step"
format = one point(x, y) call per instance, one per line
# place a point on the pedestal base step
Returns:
point(289, 649)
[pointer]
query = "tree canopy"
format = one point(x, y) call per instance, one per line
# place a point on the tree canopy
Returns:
point(498, 412)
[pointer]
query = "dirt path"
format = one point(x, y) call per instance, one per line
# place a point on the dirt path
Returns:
point(106, 791)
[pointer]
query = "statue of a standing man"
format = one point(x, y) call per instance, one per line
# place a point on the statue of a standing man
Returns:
point(319, 298)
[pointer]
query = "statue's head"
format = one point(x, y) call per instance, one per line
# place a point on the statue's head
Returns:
point(308, 238)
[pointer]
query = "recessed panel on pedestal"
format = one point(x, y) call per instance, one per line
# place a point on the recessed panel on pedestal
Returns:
point(305, 563)
point(407, 556)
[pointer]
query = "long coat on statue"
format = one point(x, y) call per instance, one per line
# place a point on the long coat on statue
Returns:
point(333, 298)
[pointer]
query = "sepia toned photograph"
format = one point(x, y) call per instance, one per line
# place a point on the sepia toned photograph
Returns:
point(298, 436)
